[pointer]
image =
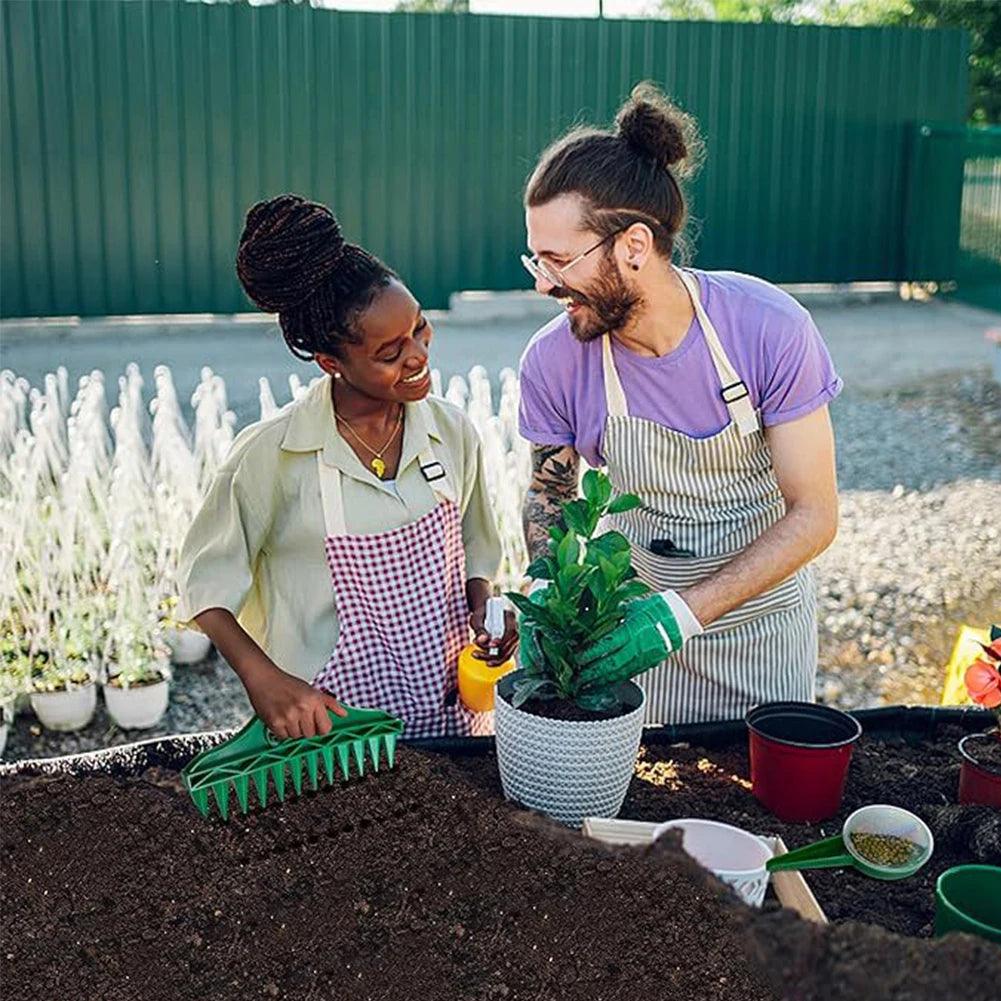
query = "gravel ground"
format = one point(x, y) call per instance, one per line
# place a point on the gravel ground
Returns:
point(206, 696)
point(917, 551)
point(916, 556)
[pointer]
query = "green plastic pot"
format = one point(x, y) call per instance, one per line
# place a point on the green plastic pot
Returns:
point(968, 898)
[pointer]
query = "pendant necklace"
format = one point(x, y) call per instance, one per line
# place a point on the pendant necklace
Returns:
point(377, 464)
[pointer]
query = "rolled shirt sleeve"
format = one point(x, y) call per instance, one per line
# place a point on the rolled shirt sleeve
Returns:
point(216, 564)
point(800, 375)
point(541, 418)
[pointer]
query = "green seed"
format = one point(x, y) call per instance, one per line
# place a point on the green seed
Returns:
point(885, 849)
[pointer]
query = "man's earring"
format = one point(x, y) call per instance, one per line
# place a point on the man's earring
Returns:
point(634, 266)
point(337, 375)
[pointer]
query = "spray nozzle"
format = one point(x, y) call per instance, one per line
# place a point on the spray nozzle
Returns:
point(494, 621)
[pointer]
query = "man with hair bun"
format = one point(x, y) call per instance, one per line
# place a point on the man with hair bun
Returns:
point(703, 392)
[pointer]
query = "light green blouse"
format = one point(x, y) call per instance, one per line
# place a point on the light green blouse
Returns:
point(256, 545)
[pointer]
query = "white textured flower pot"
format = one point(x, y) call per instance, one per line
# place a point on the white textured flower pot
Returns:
point(138, 707)
point(65, 711)
point(734, 856)
point(187, 646)
point(567, 769)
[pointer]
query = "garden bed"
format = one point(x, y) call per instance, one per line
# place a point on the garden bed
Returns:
point(422, 882)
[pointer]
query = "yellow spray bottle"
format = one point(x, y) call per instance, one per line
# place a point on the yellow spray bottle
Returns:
point(476, 677)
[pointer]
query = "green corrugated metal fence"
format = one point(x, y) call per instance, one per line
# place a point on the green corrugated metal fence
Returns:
point(953, 221)
point(135, 134)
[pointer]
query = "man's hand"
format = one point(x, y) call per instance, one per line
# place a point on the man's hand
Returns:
point(653, 628)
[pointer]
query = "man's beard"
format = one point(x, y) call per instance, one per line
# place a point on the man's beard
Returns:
point(608, 305)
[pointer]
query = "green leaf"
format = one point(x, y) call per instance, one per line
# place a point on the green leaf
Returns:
point(541, 688)
point(522, 602)
point(631, 590)
point(569, 550)
point(623, 503)
point(598, 699)
point(590, 486)
point(609, 543)
point(609, 574)
point(570, 579)
point(621, 562)
point(541, 569)
point(538, 615)
point(577, 516)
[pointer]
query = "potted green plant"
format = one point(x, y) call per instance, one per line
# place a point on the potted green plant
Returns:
point(63, 686)
point(567, 735)
point(980, 775)
point(137, 682)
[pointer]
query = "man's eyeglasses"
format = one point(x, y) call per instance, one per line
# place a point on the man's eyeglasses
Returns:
point(553, 275)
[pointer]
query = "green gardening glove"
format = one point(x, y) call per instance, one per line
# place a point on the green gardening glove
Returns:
point(653, 628)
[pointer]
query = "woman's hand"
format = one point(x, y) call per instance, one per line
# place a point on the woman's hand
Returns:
point(505, 646)
point(289, 706)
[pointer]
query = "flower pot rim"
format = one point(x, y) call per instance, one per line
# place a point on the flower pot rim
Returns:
point(750, 719)
point(569, 723)
point(163, 679)
point(747, 873)
point(940, 894)
point(969, 759)
point(64, 691)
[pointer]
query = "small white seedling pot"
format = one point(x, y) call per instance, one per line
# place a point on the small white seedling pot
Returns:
point(139, 707)
point(187, 646)
point(65, 711)
point(731, 854)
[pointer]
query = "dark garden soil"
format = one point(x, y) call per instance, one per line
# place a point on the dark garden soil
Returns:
point(420, 884)
point(681, 781)
point(923, 778)
point(567, 711)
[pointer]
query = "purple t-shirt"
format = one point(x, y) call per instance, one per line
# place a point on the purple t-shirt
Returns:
point(769, 338)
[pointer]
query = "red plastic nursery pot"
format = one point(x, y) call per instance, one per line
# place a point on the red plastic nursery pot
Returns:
point(978, 783)
point(799, 758)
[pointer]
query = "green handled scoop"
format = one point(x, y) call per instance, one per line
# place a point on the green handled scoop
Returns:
point(253, 755)
point(884, 842)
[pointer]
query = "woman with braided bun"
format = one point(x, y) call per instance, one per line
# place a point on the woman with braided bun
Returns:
point(347, 545)
point(705, 393)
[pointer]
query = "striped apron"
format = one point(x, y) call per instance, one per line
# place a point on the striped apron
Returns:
point(713, 497)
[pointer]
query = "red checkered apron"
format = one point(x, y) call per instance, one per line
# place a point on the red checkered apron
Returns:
point(401, 604)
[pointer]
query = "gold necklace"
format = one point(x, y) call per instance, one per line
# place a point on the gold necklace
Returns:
point(377, 463)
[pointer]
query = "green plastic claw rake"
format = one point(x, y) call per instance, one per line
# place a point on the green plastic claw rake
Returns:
point(254, 754)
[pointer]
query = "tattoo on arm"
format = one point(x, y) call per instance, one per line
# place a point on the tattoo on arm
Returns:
point(555, 471)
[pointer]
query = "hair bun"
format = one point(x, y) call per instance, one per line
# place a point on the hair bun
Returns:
point(288, 247)
point(653, 126)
